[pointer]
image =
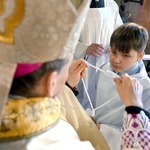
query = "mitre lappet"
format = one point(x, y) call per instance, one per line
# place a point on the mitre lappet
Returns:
point(36, 31)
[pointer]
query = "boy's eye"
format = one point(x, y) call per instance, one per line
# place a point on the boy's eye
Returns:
point(114, 52)
point(126, 55)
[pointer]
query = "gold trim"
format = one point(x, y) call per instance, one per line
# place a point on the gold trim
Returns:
point(24, 118)
point(2, 8)
point(12, 21)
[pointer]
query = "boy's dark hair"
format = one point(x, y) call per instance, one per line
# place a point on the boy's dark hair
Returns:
point(23, 86)
point(129, 36)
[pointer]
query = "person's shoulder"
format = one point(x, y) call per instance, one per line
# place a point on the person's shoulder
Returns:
point(66, 91)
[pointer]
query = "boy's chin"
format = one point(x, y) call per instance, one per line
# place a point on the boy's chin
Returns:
point(117, 70)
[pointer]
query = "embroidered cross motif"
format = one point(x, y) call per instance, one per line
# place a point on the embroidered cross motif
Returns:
point(10, 22)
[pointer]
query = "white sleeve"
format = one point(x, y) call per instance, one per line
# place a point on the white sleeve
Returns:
point(112, 136)
point(80, 50)
point(60, 136)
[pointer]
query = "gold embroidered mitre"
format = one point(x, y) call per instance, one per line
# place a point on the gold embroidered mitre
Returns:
point(37, 31)
point(33, 31)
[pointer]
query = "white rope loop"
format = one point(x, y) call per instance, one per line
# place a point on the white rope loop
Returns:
point(107, 73)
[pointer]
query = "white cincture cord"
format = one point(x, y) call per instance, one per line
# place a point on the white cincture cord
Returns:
point(89, 99)
point(108, 73)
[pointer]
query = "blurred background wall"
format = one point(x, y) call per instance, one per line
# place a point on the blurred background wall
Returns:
point(136, 12)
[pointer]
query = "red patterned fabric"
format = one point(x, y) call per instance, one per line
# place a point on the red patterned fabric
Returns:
point(136, 131)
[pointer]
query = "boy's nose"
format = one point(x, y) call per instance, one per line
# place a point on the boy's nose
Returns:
point(116, 59)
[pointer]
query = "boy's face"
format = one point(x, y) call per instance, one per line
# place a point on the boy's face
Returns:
point(123, 61)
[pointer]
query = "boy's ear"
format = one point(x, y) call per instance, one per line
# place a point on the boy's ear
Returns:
point(50, 83)
point(141, 55)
